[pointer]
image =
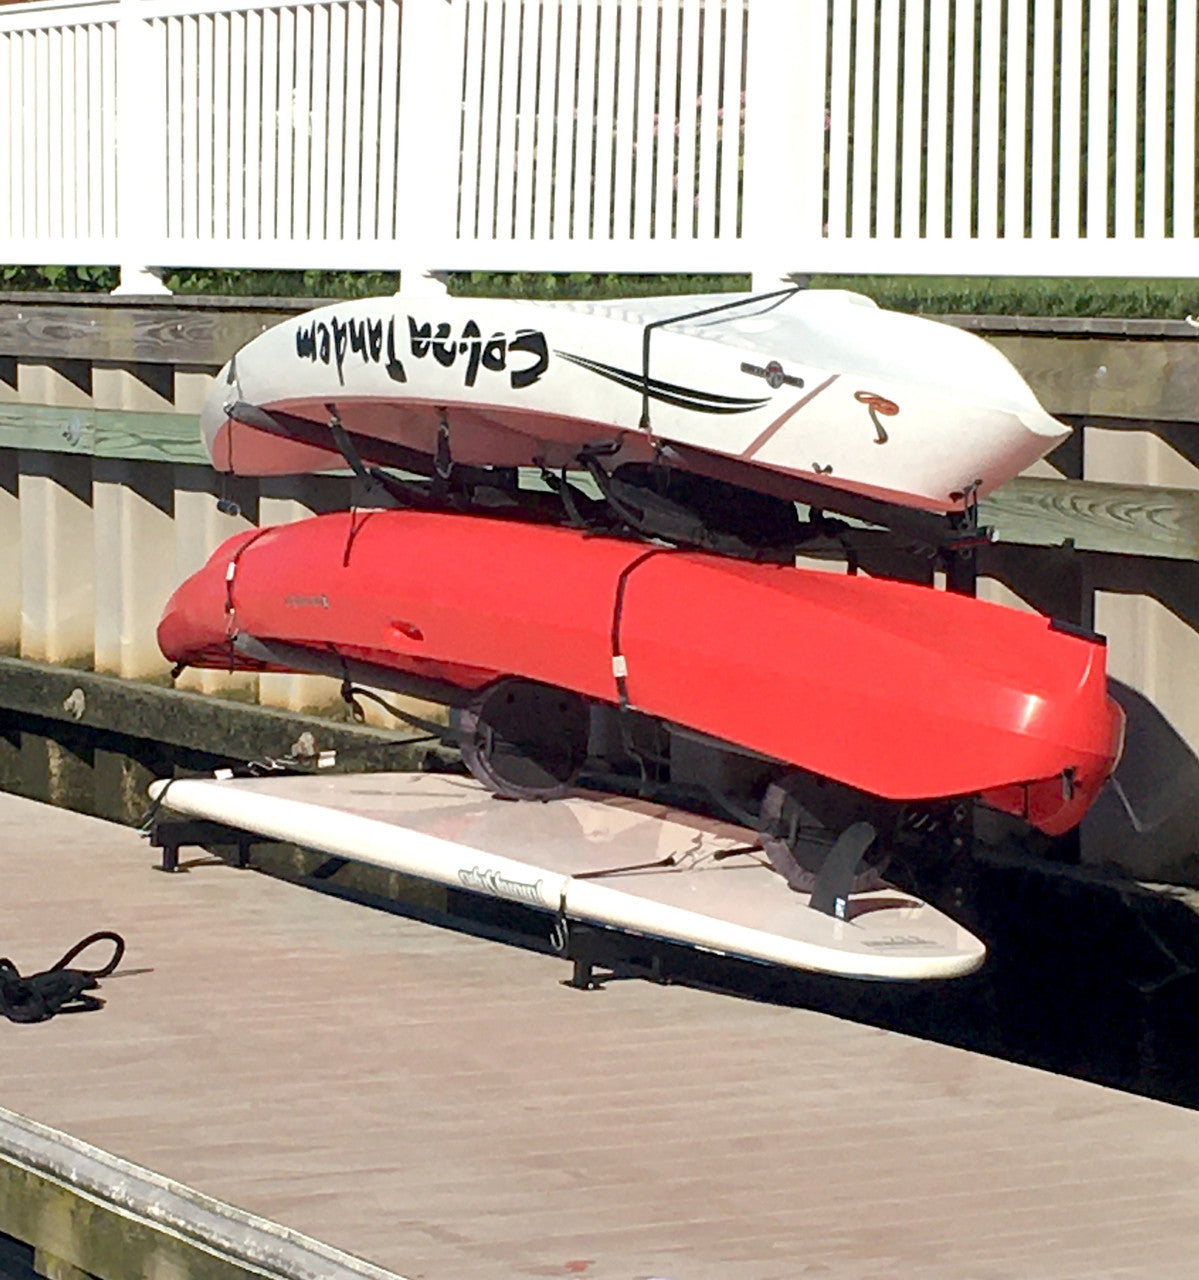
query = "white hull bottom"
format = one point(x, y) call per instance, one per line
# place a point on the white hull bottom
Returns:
point(718, 893)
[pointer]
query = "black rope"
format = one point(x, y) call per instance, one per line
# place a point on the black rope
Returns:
point(146, 821)
point(779, 295)
point(619, 666)
point(671, 860)
point(59, 989)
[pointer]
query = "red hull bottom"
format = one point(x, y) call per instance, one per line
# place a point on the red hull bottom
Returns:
point(900, 691)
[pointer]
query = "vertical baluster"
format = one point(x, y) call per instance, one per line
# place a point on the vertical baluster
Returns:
point(222, 113)
point(320, 174)
point(549, 88)
point(1070, 133)
point(252, 127)
point(490, 103)
point(525, 150)
point(861, 205)
point(389, 80)
point(938, 118)
point(508, 111)
point(689, 89)
point(368, 174)
point(1127, 92)
point(624, 119)
point(1157, 76)
point(605, 119)
point(913, 119)
point(585, 124)
point(888, 122)
point(709, 123)
point(988, 120)
point(1044, 69)
point(1185, 72)
point(667, 122)
point(55, 91)
point(1098, 101)
point(235, 218)
point(291, 156)
point(962, 121)
point(337, 140)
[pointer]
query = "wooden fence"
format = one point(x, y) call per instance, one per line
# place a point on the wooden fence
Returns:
point(960, 136)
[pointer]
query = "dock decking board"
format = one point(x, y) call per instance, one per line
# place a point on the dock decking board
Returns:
point(444, 1107)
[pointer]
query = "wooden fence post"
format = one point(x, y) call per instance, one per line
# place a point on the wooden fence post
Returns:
point(427, 141)
point(141, 151)
point(784, 138)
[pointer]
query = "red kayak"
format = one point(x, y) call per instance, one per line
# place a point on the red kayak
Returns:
point(902, 691)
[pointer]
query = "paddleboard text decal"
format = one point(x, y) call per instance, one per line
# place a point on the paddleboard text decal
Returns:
point(491, 354)
point(500, 886)
point(901, 942)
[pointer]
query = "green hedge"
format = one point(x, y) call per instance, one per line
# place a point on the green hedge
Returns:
point(991, 295)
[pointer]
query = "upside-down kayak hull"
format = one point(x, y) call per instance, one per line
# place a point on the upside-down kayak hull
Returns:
point(902, 691)
point(820, 387)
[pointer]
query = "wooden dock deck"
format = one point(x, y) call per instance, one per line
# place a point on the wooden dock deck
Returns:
point(444, 1107)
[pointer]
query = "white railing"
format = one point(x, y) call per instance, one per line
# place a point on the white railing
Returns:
point(963, 136)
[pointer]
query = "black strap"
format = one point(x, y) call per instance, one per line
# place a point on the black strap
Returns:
point(433, 731)
point(58, 989)
point(834, 880)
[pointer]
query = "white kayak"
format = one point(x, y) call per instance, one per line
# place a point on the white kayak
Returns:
point(629, 864)
point(815, 386)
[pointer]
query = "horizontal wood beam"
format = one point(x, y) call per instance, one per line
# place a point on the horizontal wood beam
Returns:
point(178, 331)
point(103, 433)
point(192, 721)
point(89, 1213)
point(1120, 519)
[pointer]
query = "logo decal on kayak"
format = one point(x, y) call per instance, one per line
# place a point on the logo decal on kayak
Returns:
point(334, 341)
point(667, 392)
point(773, 373)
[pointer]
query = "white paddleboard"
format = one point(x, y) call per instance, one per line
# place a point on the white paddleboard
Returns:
point(609, 860)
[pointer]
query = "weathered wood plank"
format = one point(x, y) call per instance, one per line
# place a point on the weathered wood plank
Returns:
point(185, 331)
point(1121, 519)
point(193, 721)
point(1152, 378)
point(89, 1213)
point(103, 433)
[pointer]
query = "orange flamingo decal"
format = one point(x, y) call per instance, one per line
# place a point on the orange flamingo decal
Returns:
point(877, 405)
